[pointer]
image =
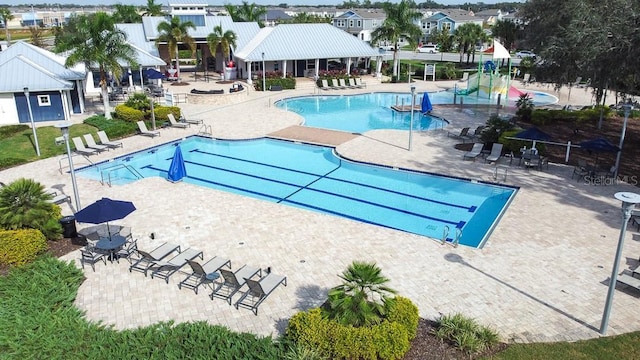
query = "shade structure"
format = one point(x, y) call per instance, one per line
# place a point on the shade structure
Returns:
point(153, 74)
point(426, 103)
point(177, 169)
point(599, 145)
point(534, 134)
point(105, 210)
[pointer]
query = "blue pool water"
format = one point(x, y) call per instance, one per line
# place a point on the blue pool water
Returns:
point(312, 177)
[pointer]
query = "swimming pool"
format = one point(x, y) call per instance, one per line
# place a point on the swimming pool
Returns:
point(314, 178)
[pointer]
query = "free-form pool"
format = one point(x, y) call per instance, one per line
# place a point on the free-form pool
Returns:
point(314, 178)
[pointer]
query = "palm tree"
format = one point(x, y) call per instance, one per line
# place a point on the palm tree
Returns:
point(363, 297)
point(23, 204)
point(247, 13)
point(507, 32)
point(36, 35)
point(400, 22)
point(127, 14)
point(174, 33)
point(6, 16)
point(225, 39)
point(95, 41)
point(466, 36)
point(152, 9)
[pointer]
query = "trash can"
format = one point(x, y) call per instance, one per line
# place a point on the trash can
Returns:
point(69, 227)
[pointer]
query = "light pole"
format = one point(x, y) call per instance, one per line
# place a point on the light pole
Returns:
point(629, 200)
point(627, 110)
point(264, 75)
point(64, 127)
point(33, 125)
point(413, 103)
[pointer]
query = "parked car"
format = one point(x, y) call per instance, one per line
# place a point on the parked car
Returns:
point(431, 49)
point(524, 54)
point(386, 47)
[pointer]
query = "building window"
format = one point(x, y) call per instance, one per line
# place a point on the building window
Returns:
point(276, 66)
point(340, 23)
point(44, 100)
point(350, 23)
point(359, 23)
point(374, 23)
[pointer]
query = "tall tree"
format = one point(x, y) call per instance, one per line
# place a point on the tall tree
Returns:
point(442, 38)
point(506, 31)
point(6, 16)
point(95, 41)
point(400, 22)
point(223, 39)
point(127, 14)
point(152, 9)
point(247, 12)
point(174, 33)
point(467, 36)
point(36, 36)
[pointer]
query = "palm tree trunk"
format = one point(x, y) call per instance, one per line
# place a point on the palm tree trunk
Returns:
point(178, 62)
point(396, 66)
point(105, 100)
point(7, 35)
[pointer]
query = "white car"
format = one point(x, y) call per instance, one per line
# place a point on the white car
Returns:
point(525, 54)
point(386, 47)
point(431, 49)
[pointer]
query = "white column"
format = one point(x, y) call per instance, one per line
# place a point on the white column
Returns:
point(284, 69)
point(317, 69)
point(379, 67)
point(348, 66)
point(249, 77)
point(65, 97)
point(131, 85)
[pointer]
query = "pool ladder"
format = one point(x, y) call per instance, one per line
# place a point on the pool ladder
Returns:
point(205, 130)
point(111, 169)
point(445, 234)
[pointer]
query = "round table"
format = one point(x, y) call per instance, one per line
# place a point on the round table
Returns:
point(111, 245)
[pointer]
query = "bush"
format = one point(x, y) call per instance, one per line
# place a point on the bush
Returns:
point(114, 128)
point(162, 112)
point(388, 340)
point(286, 83)
point(494, 129)
point(18, 247)
point(465, 333)
point(123, 112)
point(139, 101)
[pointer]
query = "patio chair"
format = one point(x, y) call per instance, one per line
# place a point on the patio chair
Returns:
point(104, 140)
point(496, 152)
point(91, 143)
point(57, 198)
point(353, 85)
point(259, 290)
point(174, 123)
point(606, 174)
point(157, 254)
point(474, 153)
point(326, 86)
point(464, 134)
point(142, 127)
point(343, 84)
point(164, 269)
point(361, 83)
point(465, 76)
point(526, 79)
point(233, 281)
point(477, 132)
point(580, 170)
point(203, 274)
point(81, 149)
point(89, 255)
point(336, 84)
point(128, 251)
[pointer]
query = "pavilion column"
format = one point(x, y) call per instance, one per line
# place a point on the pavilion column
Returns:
point(249, 77)
point(284, 69)
point(317, 64)
point(379, 67)
point(131, 85)
point(348, 66)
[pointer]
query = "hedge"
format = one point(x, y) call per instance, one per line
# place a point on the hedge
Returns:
point(390, 339)
point(123, 112)
point(162, 112)
point(286, 83)
point(18, 247)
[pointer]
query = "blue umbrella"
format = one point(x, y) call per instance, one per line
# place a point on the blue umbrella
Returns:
point(599, 145)
point(426, 103)
point(177, 170)
point(533, 134)
point(105, 210)
point(153, 74)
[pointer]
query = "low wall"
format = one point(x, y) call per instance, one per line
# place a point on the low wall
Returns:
point(218, 99)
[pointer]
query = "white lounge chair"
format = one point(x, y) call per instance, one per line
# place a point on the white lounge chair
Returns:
point(496, 152)
point(343, 84)
point(91, 143)
point(353, 85)
point(142, 127)
point(174, 123)
point(475, 151)
point(336, 84)
point(325, 85)
point(104, 140)
point(191, 121)
point(80, 148)
point(361, 83)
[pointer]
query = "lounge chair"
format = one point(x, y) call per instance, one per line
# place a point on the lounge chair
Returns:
point(629, 280)
point(361, 83)
point(91, 143)
point(526, 79)
point(477, 132)
point(465, 76)
point(464, 134)
point(336, 84)
point(191, 121)
point(57, 198)
point(164, 269)
point(475, 152)
point(81, 149)
point(174, 123)
point(157, 254)
point(233, 281)
point(203, 274)
point(88, 255)
point(353, 85)
point(259, 290)
point(343, 84)
point(104, 140)
point(324, 85)
point(142, 127)
point(496, 152)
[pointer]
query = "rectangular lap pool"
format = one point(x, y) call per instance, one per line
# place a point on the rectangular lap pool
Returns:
point(313, 177)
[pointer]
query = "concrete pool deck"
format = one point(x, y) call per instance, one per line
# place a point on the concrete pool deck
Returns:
point(542, 276)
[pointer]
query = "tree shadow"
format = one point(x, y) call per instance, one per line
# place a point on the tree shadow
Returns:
point(310, 296)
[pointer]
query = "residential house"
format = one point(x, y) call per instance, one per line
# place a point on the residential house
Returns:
point(448, 20)
point(274, 17)
point(360, 23)
point(490, 16)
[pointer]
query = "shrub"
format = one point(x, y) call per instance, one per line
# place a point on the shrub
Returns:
point(123, 112)
point(404, 312)
point(114, 128)
point(139, 101)
point(465, 333)
point(162, 112)
point(285, 83)
point(494, 129)
point(18, 247)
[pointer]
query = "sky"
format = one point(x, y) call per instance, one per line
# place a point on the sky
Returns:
point(219, 2)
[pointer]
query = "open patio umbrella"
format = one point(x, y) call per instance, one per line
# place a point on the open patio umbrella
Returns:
point(426, 103)
point(534, 134)
point(598, 146)
point(177, 170)
point(105, 210)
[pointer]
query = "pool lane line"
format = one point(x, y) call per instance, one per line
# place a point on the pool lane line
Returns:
point(394, 209)
point(472, 208)
point(309, 184)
